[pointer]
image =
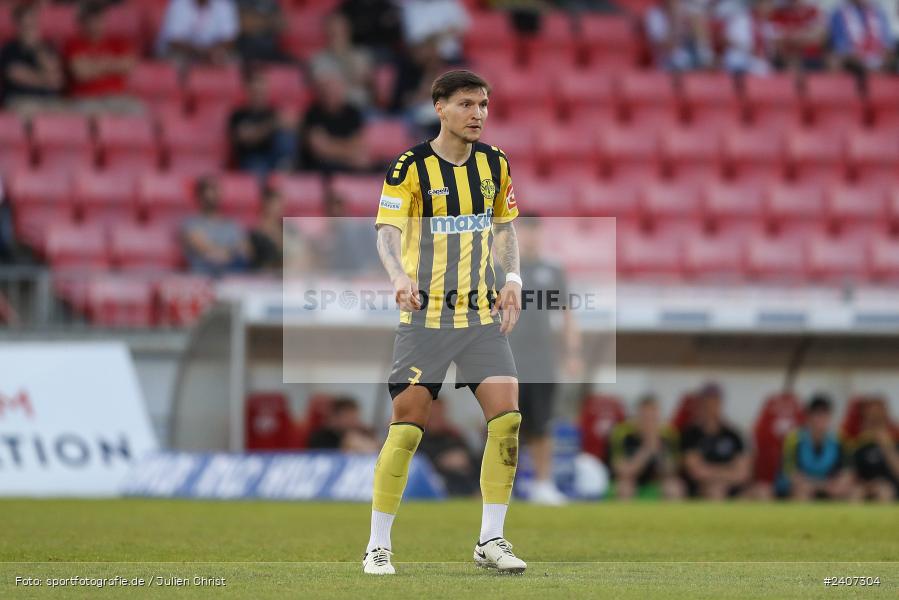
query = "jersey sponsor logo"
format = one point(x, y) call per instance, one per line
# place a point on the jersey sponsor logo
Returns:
point(510, 198)
point(462, 223)
point(488, 189)
point(391, 203)
point(444, 191)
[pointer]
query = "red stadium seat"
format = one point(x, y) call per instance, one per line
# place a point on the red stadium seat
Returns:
point(304, 33)
point(386, 139)
point(587, 97)
point(642, 256)
point(567, 150)
point(268, 422)
point(58, 23)
point(15, 150)
point(793, 207)
point(717, 258)
point(489, 31)
point(165, 199)
point(599, 416)
point(668, 203)
point(217, 88)
point(780, 414)
point(195, 146)
point(303, 195)
point(127, 143)
point(63, 141)
point(608, 199)
point(754, 155)
point(359, 193)
point(546, 197)
point(76, 246)
point(286, 88)
point(106, 198)
point(517, 142)
point(630, 154)
point(773, 102)
point(582, 247)
point(520, 100)
point(609, 42)
point(711, 100)
point(157, 84)
point(240, 197)
point(124, 21)
point(817, 156)
point(835, 260)
point(834, 102)
point(553, 45)
point(874, 157)
point(727, 204)
point(692, 154)
point(883, 99)
point(883, 259)
point(649, 99)
point(774, 260)
point(182, 299)
point(115, 301)
point(39, 199)
point(850, 206)
point(136, 248)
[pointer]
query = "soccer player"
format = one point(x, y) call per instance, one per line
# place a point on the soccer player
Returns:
point(446, 207)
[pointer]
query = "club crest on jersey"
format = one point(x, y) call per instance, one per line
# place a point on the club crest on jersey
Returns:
point(462, 223)
point(488, 189)
point(444, 191)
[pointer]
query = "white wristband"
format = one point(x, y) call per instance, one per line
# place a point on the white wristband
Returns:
point(514, 277)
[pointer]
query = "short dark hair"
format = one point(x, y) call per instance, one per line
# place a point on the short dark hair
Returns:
point(23, 10)
point(343, 403)
point(452, 81)
point(819, 404)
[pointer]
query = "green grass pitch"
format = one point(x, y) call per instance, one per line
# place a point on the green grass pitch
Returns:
point(312, 550)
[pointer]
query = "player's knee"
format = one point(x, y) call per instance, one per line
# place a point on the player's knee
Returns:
point(402, 441)
point(505, 425)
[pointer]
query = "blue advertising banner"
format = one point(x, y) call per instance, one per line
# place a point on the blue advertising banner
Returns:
point(295, 476)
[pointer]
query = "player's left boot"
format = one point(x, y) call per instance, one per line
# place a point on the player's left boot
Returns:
point(377, 562)
point(497, 554)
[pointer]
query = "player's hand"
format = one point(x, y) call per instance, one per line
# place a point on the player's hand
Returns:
point(508, 302)
point(406, 293)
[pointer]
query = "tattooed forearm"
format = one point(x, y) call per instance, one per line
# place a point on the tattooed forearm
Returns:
point(389, 249)
point(505, 246)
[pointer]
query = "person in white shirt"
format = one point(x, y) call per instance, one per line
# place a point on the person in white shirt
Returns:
point(199, 31)
point(445, 20)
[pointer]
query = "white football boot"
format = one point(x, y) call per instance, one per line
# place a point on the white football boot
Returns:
point(377, 562)
point(497, 554)
point(547, 494)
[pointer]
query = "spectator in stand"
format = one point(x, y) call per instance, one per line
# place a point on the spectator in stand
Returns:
point(443, 21)
point(416, 71)
point(31, 75)
point(261, 23)
point(449, 453)
point(199, 31)
point(645, 455)
point(748, 36)
point(375, 25)
point(875, 458)
point(353, 63)
point(99, 65)
point(332, 129)
point(860, 36)
point(259, 141)
point(814, 462)
point(267, 238)
point(716, 464)
point(213, 244)
point(800, 35)
point(347, 247)
point(679, 35)
point(343, 430)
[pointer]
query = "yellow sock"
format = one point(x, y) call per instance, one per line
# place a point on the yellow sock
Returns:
point(392, 468)
point(500, 458)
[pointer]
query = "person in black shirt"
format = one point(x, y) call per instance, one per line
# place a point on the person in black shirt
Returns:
point(343, 430)
point(30, 71)
point(332, 130)
point(375, 24)
point(875, 458)
point(258, 142)
point(716, 464)
point(267, 238)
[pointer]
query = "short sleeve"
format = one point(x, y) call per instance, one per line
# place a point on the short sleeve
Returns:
point(397, 199)
point(505, 208)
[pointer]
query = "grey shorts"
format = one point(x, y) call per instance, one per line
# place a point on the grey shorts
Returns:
point(421, 356)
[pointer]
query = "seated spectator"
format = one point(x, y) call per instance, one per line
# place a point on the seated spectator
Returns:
point(31, 76)
point(353, 63)
point(99, 65)
point(332, 130)
point(259, 142)
point(644, 454)
point(800, 35)
point(261, 23)
point(267, 238)
point(213, 244)
point(747, 37)
point(678, 36)
point(343, 430)
point(875, 457)
point(449, 453)
point(416, 71)
point(375, 24)
point(860, 36)
point(198, 31)
point(716, 464)
point(443, 21)
point(814, 459)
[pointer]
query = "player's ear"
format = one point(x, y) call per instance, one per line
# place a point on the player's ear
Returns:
point(438, 107)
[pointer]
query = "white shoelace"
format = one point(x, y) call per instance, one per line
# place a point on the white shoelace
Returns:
point(505, 546)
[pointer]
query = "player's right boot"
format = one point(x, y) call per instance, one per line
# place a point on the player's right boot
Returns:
point(377, 562)
point(497, 554)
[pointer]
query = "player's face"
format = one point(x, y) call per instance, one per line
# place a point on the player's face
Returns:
point(463, 114)
point(819, 422)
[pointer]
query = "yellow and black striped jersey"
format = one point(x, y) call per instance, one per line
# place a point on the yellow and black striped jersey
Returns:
point(446, 213)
